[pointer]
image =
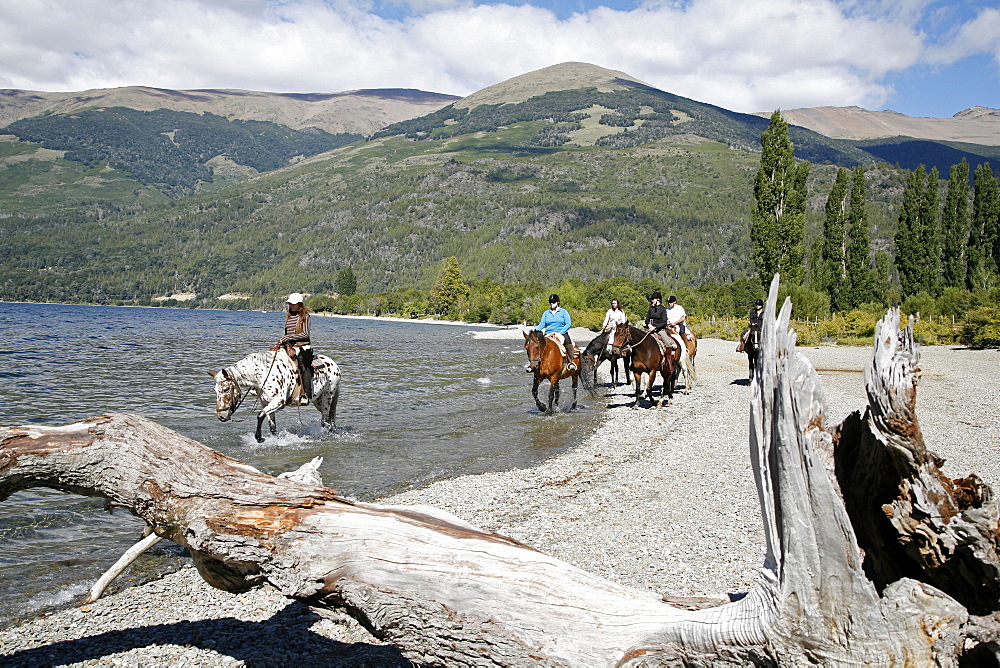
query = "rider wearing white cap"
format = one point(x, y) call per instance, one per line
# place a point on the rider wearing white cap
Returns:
point(296, 340)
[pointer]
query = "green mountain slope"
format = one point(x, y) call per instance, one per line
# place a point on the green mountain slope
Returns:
point(528, 181)
point(171, 150)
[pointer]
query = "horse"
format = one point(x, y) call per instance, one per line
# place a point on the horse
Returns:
point(647, 358)
point(545, 360)
point(273, 377)
point(687, 357)
point(596, 352)
point(751, 345)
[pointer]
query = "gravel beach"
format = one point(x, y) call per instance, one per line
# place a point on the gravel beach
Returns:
point(656, 499)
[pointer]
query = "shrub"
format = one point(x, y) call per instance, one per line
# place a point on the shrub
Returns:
point(982, 328)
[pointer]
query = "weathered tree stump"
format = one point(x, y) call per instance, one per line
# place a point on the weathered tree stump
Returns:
point(446, 592)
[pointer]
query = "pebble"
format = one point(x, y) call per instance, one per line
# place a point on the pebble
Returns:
point(660, 499)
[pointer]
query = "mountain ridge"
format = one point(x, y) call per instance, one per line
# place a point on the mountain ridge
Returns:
point(975, 125)
point(361, 111)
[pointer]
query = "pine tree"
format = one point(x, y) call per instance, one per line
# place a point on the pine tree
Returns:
point(833, 278)
point(777, 227)
point(449, 288)
point(983, 252)
point(860, 279)
point(347, 284)
point(955, 227)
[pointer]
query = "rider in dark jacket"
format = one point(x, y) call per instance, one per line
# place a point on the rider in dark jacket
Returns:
point(757, 315)
point(657, 319)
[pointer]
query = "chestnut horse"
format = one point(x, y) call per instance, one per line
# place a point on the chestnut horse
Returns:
point(545, 360)
point(647, 358)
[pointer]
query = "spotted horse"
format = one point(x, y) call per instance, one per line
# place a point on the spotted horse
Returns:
point(273, 378)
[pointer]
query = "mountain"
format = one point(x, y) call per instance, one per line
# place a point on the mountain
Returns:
point(976, 125)
point(571, 172)
point(359, 112)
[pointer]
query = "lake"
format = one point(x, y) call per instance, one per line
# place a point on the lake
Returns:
point(419, 402)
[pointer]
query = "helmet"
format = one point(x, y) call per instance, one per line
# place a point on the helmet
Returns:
point(759, 302)
point(553, 298)
point(671, 299)
point(295, 298)
point(655, 295)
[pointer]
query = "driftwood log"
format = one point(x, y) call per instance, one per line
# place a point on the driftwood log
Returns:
point(872, 556)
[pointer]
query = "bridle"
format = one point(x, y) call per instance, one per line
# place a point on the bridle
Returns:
point(534, 362)
point(234, 396)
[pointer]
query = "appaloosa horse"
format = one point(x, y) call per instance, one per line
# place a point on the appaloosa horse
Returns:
point(647, 358)
point(545, 360)
point(273, 377)
point(597, 351)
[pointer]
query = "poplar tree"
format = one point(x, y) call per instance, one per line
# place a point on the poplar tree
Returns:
point(449, 288)
point(930, 234)
point(907, 233)
point(833, 276)
point(860, 278)
point(983, 252)
point(955, 227)
point(918, 250)
point(777, 223)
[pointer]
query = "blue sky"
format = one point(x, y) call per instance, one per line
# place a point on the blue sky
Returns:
point(917, 57)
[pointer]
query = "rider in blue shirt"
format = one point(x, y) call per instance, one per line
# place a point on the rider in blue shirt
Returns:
point(556, 320)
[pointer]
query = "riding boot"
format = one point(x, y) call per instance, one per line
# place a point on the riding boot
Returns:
point(570, 364)
point(306, 372)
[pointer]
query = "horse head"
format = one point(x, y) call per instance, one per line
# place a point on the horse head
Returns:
point(227, 394)
point(621, 339)
point(534, 345)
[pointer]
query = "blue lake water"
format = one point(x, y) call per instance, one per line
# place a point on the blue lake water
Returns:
point(419, 402)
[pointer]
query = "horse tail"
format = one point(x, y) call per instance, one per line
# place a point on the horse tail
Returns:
point(587, 371)
point(687, 364)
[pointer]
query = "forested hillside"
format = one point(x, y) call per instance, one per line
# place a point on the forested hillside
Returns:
point(170, 150)
point(588, 184)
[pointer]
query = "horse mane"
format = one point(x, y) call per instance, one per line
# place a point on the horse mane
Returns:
point(597, 343)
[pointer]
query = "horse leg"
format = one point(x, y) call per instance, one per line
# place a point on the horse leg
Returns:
point(534, 393)
point(576, 379)
point(649, 390)
point(260, 423)
point(272, 424)
point(638, 385)
point(553, 393)
point(330, 414)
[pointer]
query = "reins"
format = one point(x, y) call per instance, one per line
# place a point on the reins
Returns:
point(243, 395)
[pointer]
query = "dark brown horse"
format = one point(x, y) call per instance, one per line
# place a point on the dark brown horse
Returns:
point(647, 358)
point(545, 360)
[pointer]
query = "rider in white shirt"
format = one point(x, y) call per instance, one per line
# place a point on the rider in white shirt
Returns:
point(676, 317)
point(614, 317)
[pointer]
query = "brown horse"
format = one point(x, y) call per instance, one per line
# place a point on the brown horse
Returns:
point(647, 358)
point(687, 361)
point(545, 360)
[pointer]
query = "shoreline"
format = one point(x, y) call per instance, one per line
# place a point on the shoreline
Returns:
point(662, 500)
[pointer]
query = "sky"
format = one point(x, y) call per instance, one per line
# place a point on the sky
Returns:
point(916, 57)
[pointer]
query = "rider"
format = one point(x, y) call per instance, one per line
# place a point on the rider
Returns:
point(757, 315)
point(614, 317)
point(556, 321)
point(657, 319)
point(676, 317)
point(756, 322)
point(296, 343)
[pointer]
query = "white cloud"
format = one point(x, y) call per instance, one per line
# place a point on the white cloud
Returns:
point(751, 55)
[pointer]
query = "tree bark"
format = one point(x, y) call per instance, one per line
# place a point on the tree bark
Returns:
point(445, 592)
